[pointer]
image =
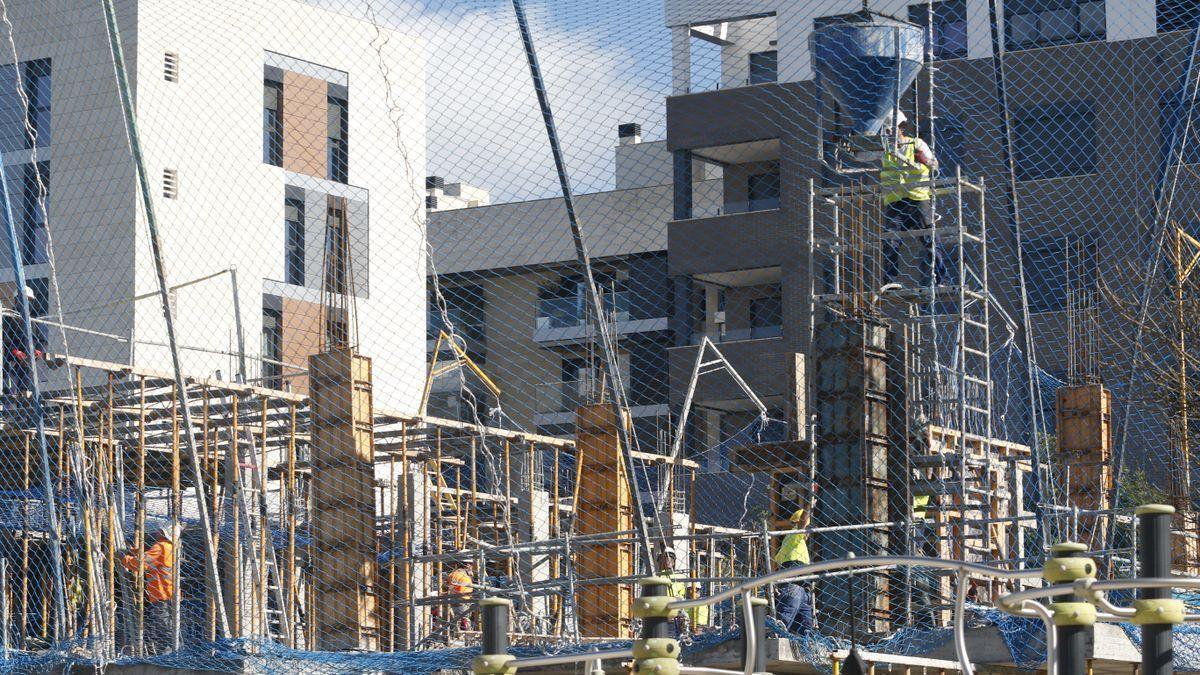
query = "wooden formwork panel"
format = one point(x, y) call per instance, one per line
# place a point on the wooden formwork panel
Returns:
point(605, 505)
point(343, 494)
point(1085, 440)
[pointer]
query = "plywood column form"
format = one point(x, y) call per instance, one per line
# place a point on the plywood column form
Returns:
point(852, 399)
point(604, 505)
point(343, 501)
point(1085, 441)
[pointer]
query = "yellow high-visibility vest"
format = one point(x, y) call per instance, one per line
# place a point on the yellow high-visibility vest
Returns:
point(793, 549)
point(896, 174)
point(920, 504)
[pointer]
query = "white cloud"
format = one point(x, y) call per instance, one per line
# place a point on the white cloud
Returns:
point(604, 64)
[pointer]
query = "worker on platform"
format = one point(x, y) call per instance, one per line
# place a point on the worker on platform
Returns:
point(694, 617)
point(159, 569)
point(19, 369)
point(793, 601)
point(906, 206)
point(924, 543)
point(460, 584)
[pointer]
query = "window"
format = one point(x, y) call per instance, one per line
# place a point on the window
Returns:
point(766, 316)
point(272, 348)
point(1038, 23)
point(949, 26)
point(1047, 255)
point(1184, 149)
point(1175, 15)
point(339, 147)
point(41, 296)
point(762, 190)
point(37, 88)
point(272, 122)
point(171, 67)
point(35, 238)
point(293, 224)
point(464, 307)
point(764, 67)
point(1055, 140)
point(21, 125)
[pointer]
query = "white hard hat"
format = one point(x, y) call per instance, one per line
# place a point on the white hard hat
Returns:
point(171, 531)
point(901, 118)
point(29, 293)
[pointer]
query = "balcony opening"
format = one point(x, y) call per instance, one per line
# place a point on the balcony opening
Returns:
point(745, 178)
point(729, 53)
point(736, 305)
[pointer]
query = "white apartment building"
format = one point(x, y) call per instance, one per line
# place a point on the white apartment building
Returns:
point(759, 41)
point(266, 130)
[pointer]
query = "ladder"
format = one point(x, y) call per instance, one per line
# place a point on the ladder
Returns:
point(252, 508)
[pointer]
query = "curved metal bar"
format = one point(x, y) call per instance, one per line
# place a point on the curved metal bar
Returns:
point(1007, 602)
point(960, 624)
point(752, 636)
point(564, 659)
point(851, 563)
point(1087, 588)
point(1047, 618)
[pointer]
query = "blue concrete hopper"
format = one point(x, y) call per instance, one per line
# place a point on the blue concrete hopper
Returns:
point(863, 64)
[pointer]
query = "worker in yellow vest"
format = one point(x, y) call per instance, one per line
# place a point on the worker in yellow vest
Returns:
point(907, 201)
point(696, 616)
point(793, 602)
point(924, 544)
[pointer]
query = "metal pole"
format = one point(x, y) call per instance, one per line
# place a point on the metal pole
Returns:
point(39, 419)
point(237, 323)
point(759, 618)
point(118, 57)
point(610, 354)
point(494, 658)
point(4, 607)
point(1072, 638)
point(1154, 525)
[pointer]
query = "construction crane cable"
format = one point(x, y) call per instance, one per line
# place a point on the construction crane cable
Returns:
point(615, 383)
point(118, 61)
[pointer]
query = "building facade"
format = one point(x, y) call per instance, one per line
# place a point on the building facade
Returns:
point(1086, 80)
point(520, 310)
point(259, 125)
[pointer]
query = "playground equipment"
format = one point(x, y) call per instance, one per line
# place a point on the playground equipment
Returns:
point(1077, 601)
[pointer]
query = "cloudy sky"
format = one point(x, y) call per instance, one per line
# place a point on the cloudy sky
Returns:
point(605, 62)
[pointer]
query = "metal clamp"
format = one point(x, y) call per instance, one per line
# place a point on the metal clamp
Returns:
point(1157, 611)
point(1073, 613)
point(656, 648)
point(649, 606)
point(494, 664)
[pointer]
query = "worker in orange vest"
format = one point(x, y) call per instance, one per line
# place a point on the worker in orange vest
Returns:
point(159, 568)
point(460, 583)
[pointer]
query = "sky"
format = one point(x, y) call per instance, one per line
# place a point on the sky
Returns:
point(605, 63)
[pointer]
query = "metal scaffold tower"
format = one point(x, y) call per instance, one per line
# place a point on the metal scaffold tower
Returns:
point(927, 381)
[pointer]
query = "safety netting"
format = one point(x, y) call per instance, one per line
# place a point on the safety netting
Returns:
point(323, 319)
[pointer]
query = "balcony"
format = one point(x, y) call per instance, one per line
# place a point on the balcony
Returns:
point(710, 55)
point(565, 397)
point(564, 319)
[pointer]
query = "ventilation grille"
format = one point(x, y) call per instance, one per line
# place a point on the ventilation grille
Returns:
point(170, 183)
point(171, 67)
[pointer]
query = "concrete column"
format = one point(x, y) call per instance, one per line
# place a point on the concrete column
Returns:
point(681, 60)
